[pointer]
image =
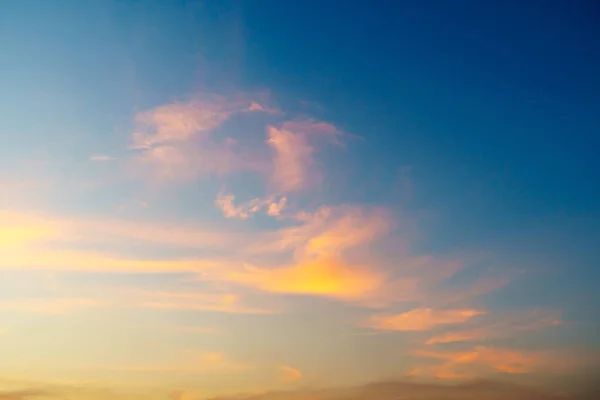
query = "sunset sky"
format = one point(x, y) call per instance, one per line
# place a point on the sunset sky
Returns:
point(299, 200)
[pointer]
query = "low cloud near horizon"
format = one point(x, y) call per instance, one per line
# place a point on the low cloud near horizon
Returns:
point(384, 390)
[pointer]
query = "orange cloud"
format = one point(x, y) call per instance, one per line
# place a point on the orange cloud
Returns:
point(481, 360)
point(518, 323)
point(294, 167)
point(185, 395)
point(318, 243)
point(321, 276)
point(212, 361)
point(421, 319)
point(289, 374)
point(328, 231)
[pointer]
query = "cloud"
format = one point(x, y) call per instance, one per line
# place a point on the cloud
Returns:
point(317, 244)
point(176, 141)
point(322, 276)
point(22, 394)
point(254, 106)
point(37, 241)
point(101, 157)
point(133, 298)
point(421, 319)
point(294, 165)
point(500, 326)
point(185, 395)
point(67, 260)
point(191, 361)
point(328, 231)
point(194, 329)
point(401, 390)
point(481, 360)
point(179, 122)
point(51, 305)
point(20, 228)
point(273, 206)
point(289, 374)
point(219, 302)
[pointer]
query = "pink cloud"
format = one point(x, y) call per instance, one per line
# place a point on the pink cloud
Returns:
point(421, 319)
point(176, 141)
point(292, 143)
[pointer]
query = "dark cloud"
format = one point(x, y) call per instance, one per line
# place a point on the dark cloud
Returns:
point(475, 390)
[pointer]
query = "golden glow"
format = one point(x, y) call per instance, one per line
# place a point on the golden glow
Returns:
point(326, 276)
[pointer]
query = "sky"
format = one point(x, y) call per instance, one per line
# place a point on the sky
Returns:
point(299, 200)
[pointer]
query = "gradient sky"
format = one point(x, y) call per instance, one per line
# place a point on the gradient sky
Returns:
point(218, 198)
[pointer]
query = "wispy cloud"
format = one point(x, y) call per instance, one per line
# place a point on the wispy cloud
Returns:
point(28, 228)
point(327, 231)
point(318, 265)
point(294, 165)
point(123, 298)
point(481, 360)
point(499, 326)
point(219, 302)
point(193, 360)
point(101, 157)
point(308, 248)
point(289, 374)
point(52, 305)
point(194, 329)
point(83, 261)
point(421, 319)
point(176, 141)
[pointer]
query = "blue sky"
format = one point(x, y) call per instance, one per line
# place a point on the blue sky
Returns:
point(363, 139)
